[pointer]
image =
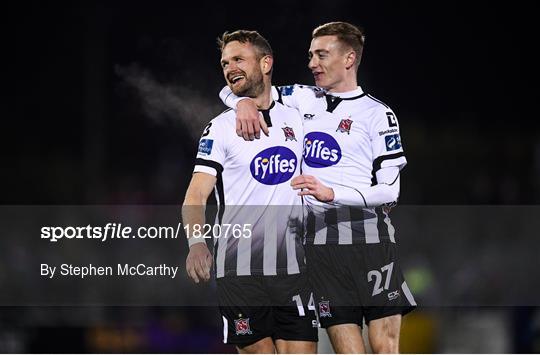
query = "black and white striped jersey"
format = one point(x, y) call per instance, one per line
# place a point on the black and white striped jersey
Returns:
point(253, 188)
point(347, 138)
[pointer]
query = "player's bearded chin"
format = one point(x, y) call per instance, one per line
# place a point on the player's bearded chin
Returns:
point(253, 85)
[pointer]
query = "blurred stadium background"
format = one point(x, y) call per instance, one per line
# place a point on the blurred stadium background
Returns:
point(105, 102)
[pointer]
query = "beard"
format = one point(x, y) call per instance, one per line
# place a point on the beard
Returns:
point(252, 87)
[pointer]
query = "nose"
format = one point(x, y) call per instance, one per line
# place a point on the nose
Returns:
point(313, 63)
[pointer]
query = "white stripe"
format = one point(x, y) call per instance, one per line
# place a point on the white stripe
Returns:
point(225, 329)
point(205, 169)
point(243, 256)
point(391, 229)
point(320, 229)
point(408, 293)
point(344, 225)
point(370, 228)
point(270, 242)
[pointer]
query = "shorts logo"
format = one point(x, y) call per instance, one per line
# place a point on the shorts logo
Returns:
point(393, 295)
point(393, 142)
point(308, 116)
point(273, 165)
point(345, 126)
point(289, 133)
point(205, 146)
point(242, 326)
point(324, 309)
point(321, 150)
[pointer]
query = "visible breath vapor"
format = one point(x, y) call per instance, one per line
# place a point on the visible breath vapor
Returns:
point(166, 102)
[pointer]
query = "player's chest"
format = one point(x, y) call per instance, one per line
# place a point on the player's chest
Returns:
point(283, 145)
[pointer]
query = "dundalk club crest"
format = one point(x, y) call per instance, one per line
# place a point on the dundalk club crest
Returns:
point(289, 133)
point(345, 125)
point(242, 326)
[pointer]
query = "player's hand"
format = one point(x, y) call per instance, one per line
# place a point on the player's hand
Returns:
point(199, 262)
point(249, 121)
point(310, 185)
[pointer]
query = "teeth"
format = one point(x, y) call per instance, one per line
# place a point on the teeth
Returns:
point(236, 78)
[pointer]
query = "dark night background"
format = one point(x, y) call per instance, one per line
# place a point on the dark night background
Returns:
point(105, 100)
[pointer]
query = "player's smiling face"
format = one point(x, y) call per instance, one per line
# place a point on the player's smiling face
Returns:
point(327, 62)
point(241, 69)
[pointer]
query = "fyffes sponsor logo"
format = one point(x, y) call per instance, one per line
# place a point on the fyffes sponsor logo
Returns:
point(321, 150)
point(273, 165)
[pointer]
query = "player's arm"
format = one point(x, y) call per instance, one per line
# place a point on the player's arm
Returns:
point(384, 193)
point(249, 120)
point(199, 259)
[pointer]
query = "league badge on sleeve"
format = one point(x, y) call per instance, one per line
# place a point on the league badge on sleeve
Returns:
point(393, 142)
point(242, 326)
point(345, 126)
point(289, 133)
point(205, 146)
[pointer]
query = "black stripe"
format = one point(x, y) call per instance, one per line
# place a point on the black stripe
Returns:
point(378, 161)
point(379, 101)
point(354, 98)
point(280, 98)
point(310, 227)
point(221, 195)
point(220, 211)
point(210, 163)
point(231, 254)
point(330, 219)
point(357, 224)
point(382, 227)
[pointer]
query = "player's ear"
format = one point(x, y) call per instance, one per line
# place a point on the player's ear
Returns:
point(350, 58)
point(266, 64)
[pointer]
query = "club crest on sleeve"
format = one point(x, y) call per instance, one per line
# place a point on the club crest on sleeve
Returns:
point(289, 133)
point(242, 326)
point(345, 126)
point(324, 309)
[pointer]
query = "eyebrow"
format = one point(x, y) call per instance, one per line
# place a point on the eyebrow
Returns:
point(319, 51)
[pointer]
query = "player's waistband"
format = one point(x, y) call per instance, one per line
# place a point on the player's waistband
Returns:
point(348, 225)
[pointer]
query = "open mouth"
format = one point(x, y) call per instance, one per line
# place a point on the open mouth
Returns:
point(317, 75)
point(236, 78)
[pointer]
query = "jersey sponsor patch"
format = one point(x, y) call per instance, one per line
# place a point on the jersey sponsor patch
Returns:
point(393, 142)
point(205, 146)
point(321, 150)
point(273, 165)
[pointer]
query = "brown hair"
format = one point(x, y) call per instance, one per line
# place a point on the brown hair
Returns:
point(261, 45)
point(346, 33)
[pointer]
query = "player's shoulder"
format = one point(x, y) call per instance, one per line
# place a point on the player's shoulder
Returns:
point(301, 89)
point(225, 117)
point(373, 104)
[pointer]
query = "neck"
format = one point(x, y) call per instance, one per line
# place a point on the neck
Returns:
point(348, 84)
point(264, 100)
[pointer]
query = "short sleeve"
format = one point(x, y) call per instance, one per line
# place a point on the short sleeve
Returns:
point(211, 153)
point(386, 144)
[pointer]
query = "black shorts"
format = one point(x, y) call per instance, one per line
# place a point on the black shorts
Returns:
point(353, 283)
point(256, 307)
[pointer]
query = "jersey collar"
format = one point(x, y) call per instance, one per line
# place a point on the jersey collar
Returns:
point(266, 114)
